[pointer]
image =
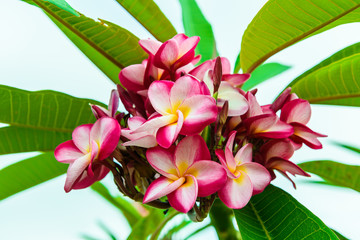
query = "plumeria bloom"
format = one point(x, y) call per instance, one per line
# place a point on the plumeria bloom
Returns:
point(297, 113)
point(275, 155)
point(186, 174)
point(180, 107)
point(113, 106)
point(172, 54)
point(244, 177)
point(141, 139)
point(90, 144)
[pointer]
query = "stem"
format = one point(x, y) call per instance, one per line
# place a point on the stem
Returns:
point(221, 219)
point(157, 231)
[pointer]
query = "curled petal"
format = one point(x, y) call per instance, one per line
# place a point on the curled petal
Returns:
point(161, 187)
point(132, 77)
point(281, 100)
point(259, 176)
point(167, 54)
point(200, 70)
point(237, 102)
point(210, 176)
point(297, 110)
point(81, 137)
point(236, 79)
point(281, 148)
point(75, 170)
point(67, 152)
point(254, 106)
point(150, 46)
point(183, 198)
point(167, 135)
point(286, 166)
point(190, 150)
point(237, 192)
point(85, 180)
point(162, 161)
point(114, 103)
point(304, 134)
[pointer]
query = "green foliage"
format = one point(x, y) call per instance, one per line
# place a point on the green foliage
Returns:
point(107, 45)
point(126, 208)
point(148, 14)
point(334, 81)
point(281, 23)
point(195, 24)
point(341, 237)
point(59, 3)
point(335, 173)
point(351, 148)
point(263, 73)
point(274, 214)
point(28, 173)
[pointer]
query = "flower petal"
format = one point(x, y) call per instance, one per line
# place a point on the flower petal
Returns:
point(189, 150)
point(237, 102)
point(185, 87)
point(259, 176)
point(183, 198)
point(167, 54)
point(286, 166)
point(237, 192)
point(132, 77)
point(221, 156)
point(75, 170)
point(106, 132)
point(81, 137)
point(159, 96)
point(230, 161)
point(85, 180)
point(67, 152)
point(304, 134)
point(167, 135)
point(150, 46)
point(297, 110)
point(244, 155)
point(161, 187)
point(162, 161)
point(254, 106)
point(210, 176)
point(199, 111)
point(235, 79)
point(155, 123)
point(281, 148)
point(147, 141)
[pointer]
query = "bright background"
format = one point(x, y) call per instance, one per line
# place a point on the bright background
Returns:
point(35, 55)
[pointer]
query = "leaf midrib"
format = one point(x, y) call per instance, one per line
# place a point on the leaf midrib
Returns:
point(260, 221)
point(296, 39)
point(78, 33)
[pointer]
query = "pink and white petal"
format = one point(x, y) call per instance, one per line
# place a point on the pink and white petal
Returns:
point(162, 161)
point(94, 154)
point(114, 103)
point(183, 198)
point(210, 176)
point(136, 122)
point(183, 60)
point(150, 46)
point(297, 110)
point(75, 170)
point(81, 137)
point(154, 124)
point(244, 155)
point(259, 176)
point(179, 38)
point(99, 111)
point(254, 106)
point(106, 132)
point(237, 192)
point(200, 70)
point(67, 152)
point(238, 105)
point(307, 136)
point(132, 77)
point(221, 156)
point(207, 79)
point(235, 79)
point(226, 66)
point(167, 135)
point(161, 187)
point(185, 87)
point(199, 111)
point(167, 54)
point(159, 96)
point(281, 148)
point(85, 180)
point(188, 45)
point(281, 100)
point(286, 166)
point(189, 150)
point(147, 141)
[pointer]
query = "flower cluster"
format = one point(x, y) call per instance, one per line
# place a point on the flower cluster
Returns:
point(191, 133)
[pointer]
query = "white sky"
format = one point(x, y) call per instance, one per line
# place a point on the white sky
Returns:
point(35, 55)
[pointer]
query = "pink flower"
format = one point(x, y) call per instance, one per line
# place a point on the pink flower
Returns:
point(90, 144)
point(297, 113)
point(172, 54)
point(113, 106)
point(141, 139)
point(180, 107)
point(186, 174)
point(244, 177)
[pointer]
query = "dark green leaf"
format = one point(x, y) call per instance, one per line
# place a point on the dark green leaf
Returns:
point(127, 209)
point(281, 23)
point(263, 73)
point(274, 214)
point(351, 148)
point(237, 64)
point(148, 14)
point(335, 173)
point(107, 45)
point(334, 81)
point(28, 173)
point(195, 24)
point(341, 237)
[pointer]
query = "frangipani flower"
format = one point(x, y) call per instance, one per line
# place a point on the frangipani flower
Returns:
point(297, 113)
point(90, 144)
point(172, 54)
point(186, 174)
point(180, 107)
point(113, 106)
point(244, 177)
point(141, 139)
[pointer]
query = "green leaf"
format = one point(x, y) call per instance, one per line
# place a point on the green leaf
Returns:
point(175, 229)
point(127, 209)
point(275, 214)
point(335, 173)
point(59, 3)
point(23, 139)
point(107, 45)
point(351, 148)
point(335, 81)
point(195, 24)
point(148, 14)
point(197, 231)
point(281, 23)
point(263, 73)
point(28, 173)
point(341, 237)
point(237, 64)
